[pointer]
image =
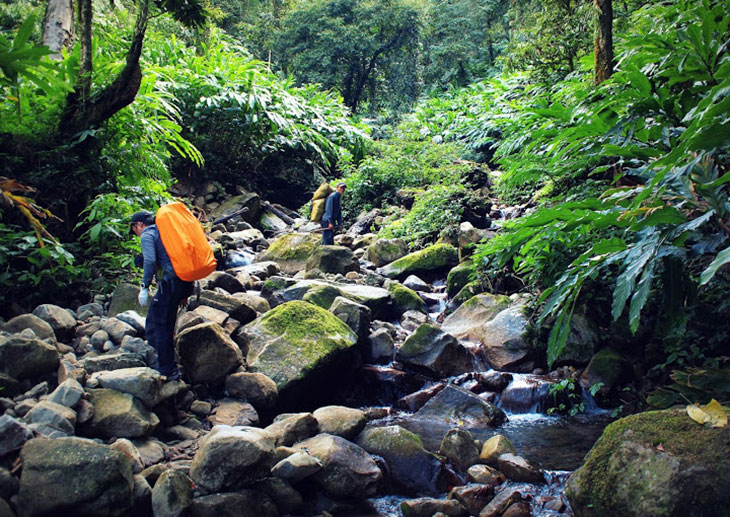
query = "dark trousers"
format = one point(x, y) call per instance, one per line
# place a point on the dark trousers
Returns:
point(328, 236)
point(160, 323)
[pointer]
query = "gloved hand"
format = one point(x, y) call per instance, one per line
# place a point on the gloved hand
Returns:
point(143, 297)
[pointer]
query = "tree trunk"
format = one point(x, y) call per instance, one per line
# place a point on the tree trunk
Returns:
point(80, 112)
point(58, 30)
point(603, 42)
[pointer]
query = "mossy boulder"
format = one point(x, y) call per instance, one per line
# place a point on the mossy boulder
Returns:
point(385, 251)
point(124, 299)
point(404, 299)
point(377, 299)
point(322, 296)
point(472, 288)
point(430, 260)
point(291, 251)
point(458, 277)
point(410, 466)
point(299, 345)
point(606, 366)
point(658, 463)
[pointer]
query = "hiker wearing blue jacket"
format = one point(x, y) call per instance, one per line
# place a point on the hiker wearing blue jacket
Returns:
point(171, 293)
point(332, 215)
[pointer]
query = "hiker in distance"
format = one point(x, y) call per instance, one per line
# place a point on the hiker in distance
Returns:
point(332, 215)
point(171, 293)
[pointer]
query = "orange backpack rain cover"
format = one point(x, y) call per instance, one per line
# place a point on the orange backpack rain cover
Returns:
point(184, 240)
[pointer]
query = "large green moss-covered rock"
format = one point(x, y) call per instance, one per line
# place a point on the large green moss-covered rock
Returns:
point(435, 353)
point(458, 277)
point(291, 251)
point(428, 260)
point(299, 343)
point(405, 299)
point(377, 299)
point(658, 463)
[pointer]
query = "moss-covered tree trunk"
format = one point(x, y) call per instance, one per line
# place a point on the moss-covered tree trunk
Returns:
point(603, 41)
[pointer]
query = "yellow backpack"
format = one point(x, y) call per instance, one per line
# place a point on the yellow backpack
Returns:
point(185, 242)
point(319, 199)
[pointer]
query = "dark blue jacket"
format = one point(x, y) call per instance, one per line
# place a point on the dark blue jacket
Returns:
point(332, 212)
point(155, 256)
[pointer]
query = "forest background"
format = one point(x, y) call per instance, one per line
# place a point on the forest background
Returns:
point(607, 122)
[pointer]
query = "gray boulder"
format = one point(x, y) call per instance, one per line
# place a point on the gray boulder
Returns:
point(231, 457)
point(40, 328)
point(252, 387)
point(234, 413)
point(297, 467)
point(465, 321)
point(13, 434)
point(460, 407)
point(172, 494)
point(340, 421)
point(51, 419)
point(519, 469)
point(124, 298)
point(61, 320)
point(112, 361)
point(207, 353)
point(380, 347)
point(332, 259)
point(143, 383)
point(242, 503)
point(429, 507)
point(347, 470)
point(435, 352)
point(132, 319)
point(118, 414)
point(71, 476)
point(24, 357)
point(237, 308)
point(459, 447)
point(355, 315)
point(504, 340)
point(288, 429)
point(117, 329)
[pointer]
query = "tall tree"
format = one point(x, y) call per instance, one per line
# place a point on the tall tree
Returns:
point(603, 41)
point(58, 29)
point(84, 111)
point(344, 44)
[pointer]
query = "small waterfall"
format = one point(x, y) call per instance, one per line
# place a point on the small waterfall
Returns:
point(238, 258)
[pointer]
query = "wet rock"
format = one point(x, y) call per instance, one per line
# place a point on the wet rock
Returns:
point(297, 467)
point(347, 470)
point(113, 361)
point(520, 509)
point(503, 500)
point(299, 343)
point(340, 421)
point(236, 307)
point(255, 388)
point(429, 260)
point(243, 503)
point(61, 320)
point(355, 315)
point(415, 401)
point(291, 251)
point(27, 357)
point(333, 259)
point(289, 429)
point(526, 395)
point(118, 414)
point(428, 507)
point(51, 419)
point(459, 447)
point(465, 322)
point(142, 382)
point(519, 469)
point(404, 299)
point(411, 320)
point(172, 494)
point(473, 497)
point(75, 477)
point(504, 342)
point(207, 353)
point(381, 347)
point(40, 328)
point(385, 251)
point(234, 413)
point(436, 353)
point(458, 406)
point(485, 475)
point(13, 434)
point(410, 466)
point(627, 473)
point(231, 457)
point(494, 447)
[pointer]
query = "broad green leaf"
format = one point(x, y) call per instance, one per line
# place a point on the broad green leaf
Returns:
point(722, 258)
